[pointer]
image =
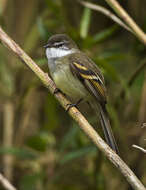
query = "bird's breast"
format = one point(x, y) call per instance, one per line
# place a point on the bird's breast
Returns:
point(69, 84)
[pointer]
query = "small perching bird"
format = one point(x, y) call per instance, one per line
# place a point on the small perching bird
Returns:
point(79, 78)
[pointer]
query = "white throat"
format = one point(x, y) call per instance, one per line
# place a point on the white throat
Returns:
point(57, 52)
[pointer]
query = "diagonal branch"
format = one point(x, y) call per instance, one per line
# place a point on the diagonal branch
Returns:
point(5, 183)
point(74, 113)
point(130, 22)
point(106, 12)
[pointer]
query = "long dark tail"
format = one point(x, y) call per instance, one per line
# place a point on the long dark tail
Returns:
point(105, 123)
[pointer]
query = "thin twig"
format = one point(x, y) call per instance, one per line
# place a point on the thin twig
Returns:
point(137, 72)
point(105, 12)
point(124, 15)
point(74, 113)
point(5, 183)
point(138, 147)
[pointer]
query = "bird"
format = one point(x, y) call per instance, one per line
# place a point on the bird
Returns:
point(77, 76)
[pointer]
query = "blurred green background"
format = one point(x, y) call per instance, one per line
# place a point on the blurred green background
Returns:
point(41, 147)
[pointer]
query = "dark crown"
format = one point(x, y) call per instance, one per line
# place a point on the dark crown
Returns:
point(59, 41)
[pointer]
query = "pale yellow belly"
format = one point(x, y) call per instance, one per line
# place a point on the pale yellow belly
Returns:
point(70, 85)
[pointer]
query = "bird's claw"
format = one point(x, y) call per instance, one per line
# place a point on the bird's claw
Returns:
point(73, 105)
point(56, 91)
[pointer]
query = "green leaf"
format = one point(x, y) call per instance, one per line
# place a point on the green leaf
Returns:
point(125, 87)
point(18, 152)
point(103, 35)
point(41, 61)
point(69, 138)
point(85, 22)
point(78, 153)
point(112, 55)
point(30, 182)
point(114, 116)
point(52, 118)
point(6, 78)
point(42, 29)
point(41, 141)
point(90, 41)
point(108, 68)
point(32, 39)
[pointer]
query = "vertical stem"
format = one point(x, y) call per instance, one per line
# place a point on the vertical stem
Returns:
point(142, 110)
point(8, 119)
point(3, 6)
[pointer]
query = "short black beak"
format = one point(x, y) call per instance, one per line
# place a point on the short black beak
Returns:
point(46, 46)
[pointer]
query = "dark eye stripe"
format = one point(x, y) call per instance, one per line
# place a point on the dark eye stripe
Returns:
point(58, 44)
point(62, 45)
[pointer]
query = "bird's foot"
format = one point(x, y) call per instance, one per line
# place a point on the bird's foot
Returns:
point(57, 90)
point(73, 105)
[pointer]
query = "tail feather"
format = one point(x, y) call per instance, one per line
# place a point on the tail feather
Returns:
point(105, 123)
